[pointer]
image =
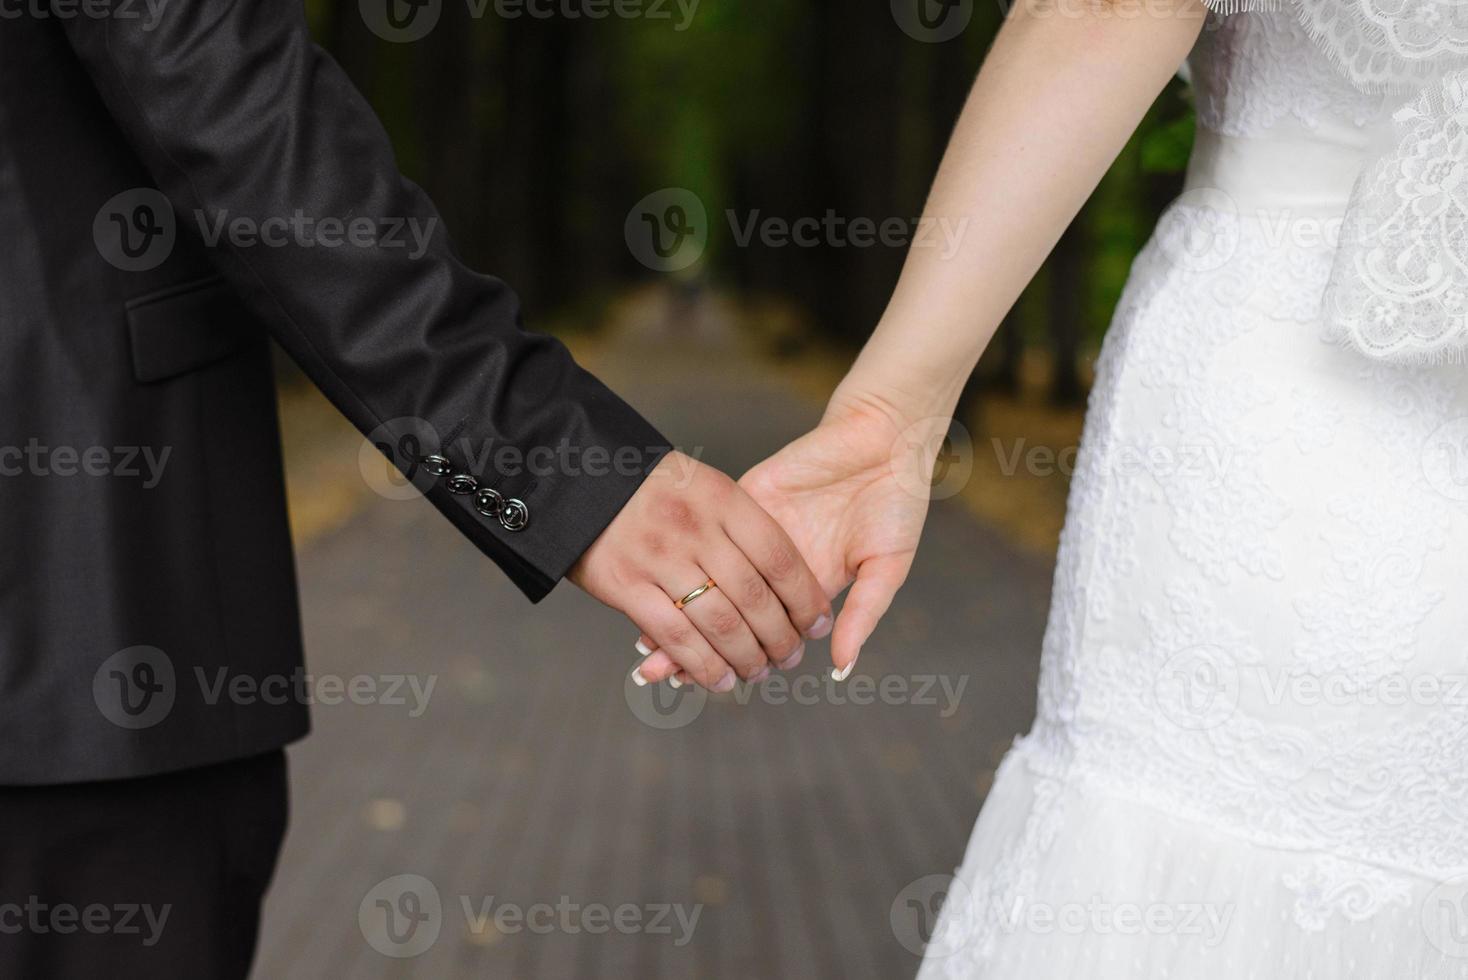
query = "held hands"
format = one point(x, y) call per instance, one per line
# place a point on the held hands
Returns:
point(853, 495)
point(689, 524)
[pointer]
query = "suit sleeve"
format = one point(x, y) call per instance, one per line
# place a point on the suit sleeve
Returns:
point(237, 114)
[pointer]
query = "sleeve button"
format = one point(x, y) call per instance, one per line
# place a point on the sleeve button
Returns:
point(437, 465)
point(489, 502)
point(462, 483)
point(514, 515)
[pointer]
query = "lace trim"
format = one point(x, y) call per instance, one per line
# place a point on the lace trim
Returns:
point(1399, 290)
point(1225, 8)
point(1355, 891)
point(1377, 48)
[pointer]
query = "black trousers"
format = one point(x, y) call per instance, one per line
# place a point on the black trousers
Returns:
point(154, 878)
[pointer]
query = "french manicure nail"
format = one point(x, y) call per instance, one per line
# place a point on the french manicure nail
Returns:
point(792, 661)
point(674, 682)
point(643, 649)
point(726, 684)
point(638, 679)
point(840, 675)
point(821, 629)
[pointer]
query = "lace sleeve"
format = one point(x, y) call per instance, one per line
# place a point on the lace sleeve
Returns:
point(1399, 290)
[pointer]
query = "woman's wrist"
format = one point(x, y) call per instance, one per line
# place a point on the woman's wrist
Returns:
point(907, 392)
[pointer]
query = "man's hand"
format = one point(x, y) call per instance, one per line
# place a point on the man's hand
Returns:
point(690, 524)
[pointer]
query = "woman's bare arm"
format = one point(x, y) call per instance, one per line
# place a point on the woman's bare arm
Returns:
point(1062, 91)
point(1065, 86)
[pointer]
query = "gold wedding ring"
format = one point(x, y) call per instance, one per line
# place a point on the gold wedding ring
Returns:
point(696, 593)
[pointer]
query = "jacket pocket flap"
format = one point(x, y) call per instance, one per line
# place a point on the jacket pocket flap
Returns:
point(185, 328)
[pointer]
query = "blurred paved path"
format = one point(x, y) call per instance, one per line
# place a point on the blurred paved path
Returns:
point(529, 779)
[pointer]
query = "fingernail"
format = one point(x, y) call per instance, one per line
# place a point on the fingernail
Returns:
point(761, 676)
point(644, 649)
point(840, 675)
point(821, 629)
point(792, 661)
point(726, 684)
point(638, 679)
point(674, 682)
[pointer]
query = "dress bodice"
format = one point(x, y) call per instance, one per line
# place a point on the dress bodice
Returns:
point(1260, 73)
point(1280, 127)
point(1343, 129)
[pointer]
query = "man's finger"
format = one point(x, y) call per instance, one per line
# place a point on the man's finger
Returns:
point(672, 631)
point(772, 553)
point(717, 617)
point(756, 601)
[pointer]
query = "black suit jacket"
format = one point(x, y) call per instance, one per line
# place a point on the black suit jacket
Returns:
point(172, 192)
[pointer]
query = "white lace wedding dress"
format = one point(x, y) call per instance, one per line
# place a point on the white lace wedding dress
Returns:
point(1251, 753)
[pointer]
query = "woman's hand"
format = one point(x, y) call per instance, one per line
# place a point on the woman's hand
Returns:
point(853, 495)
point(689, 524)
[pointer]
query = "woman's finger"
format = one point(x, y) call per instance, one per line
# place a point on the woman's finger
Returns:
point(658, 667)
point(877, 582)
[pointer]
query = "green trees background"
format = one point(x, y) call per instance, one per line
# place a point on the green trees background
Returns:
point(536, 135)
